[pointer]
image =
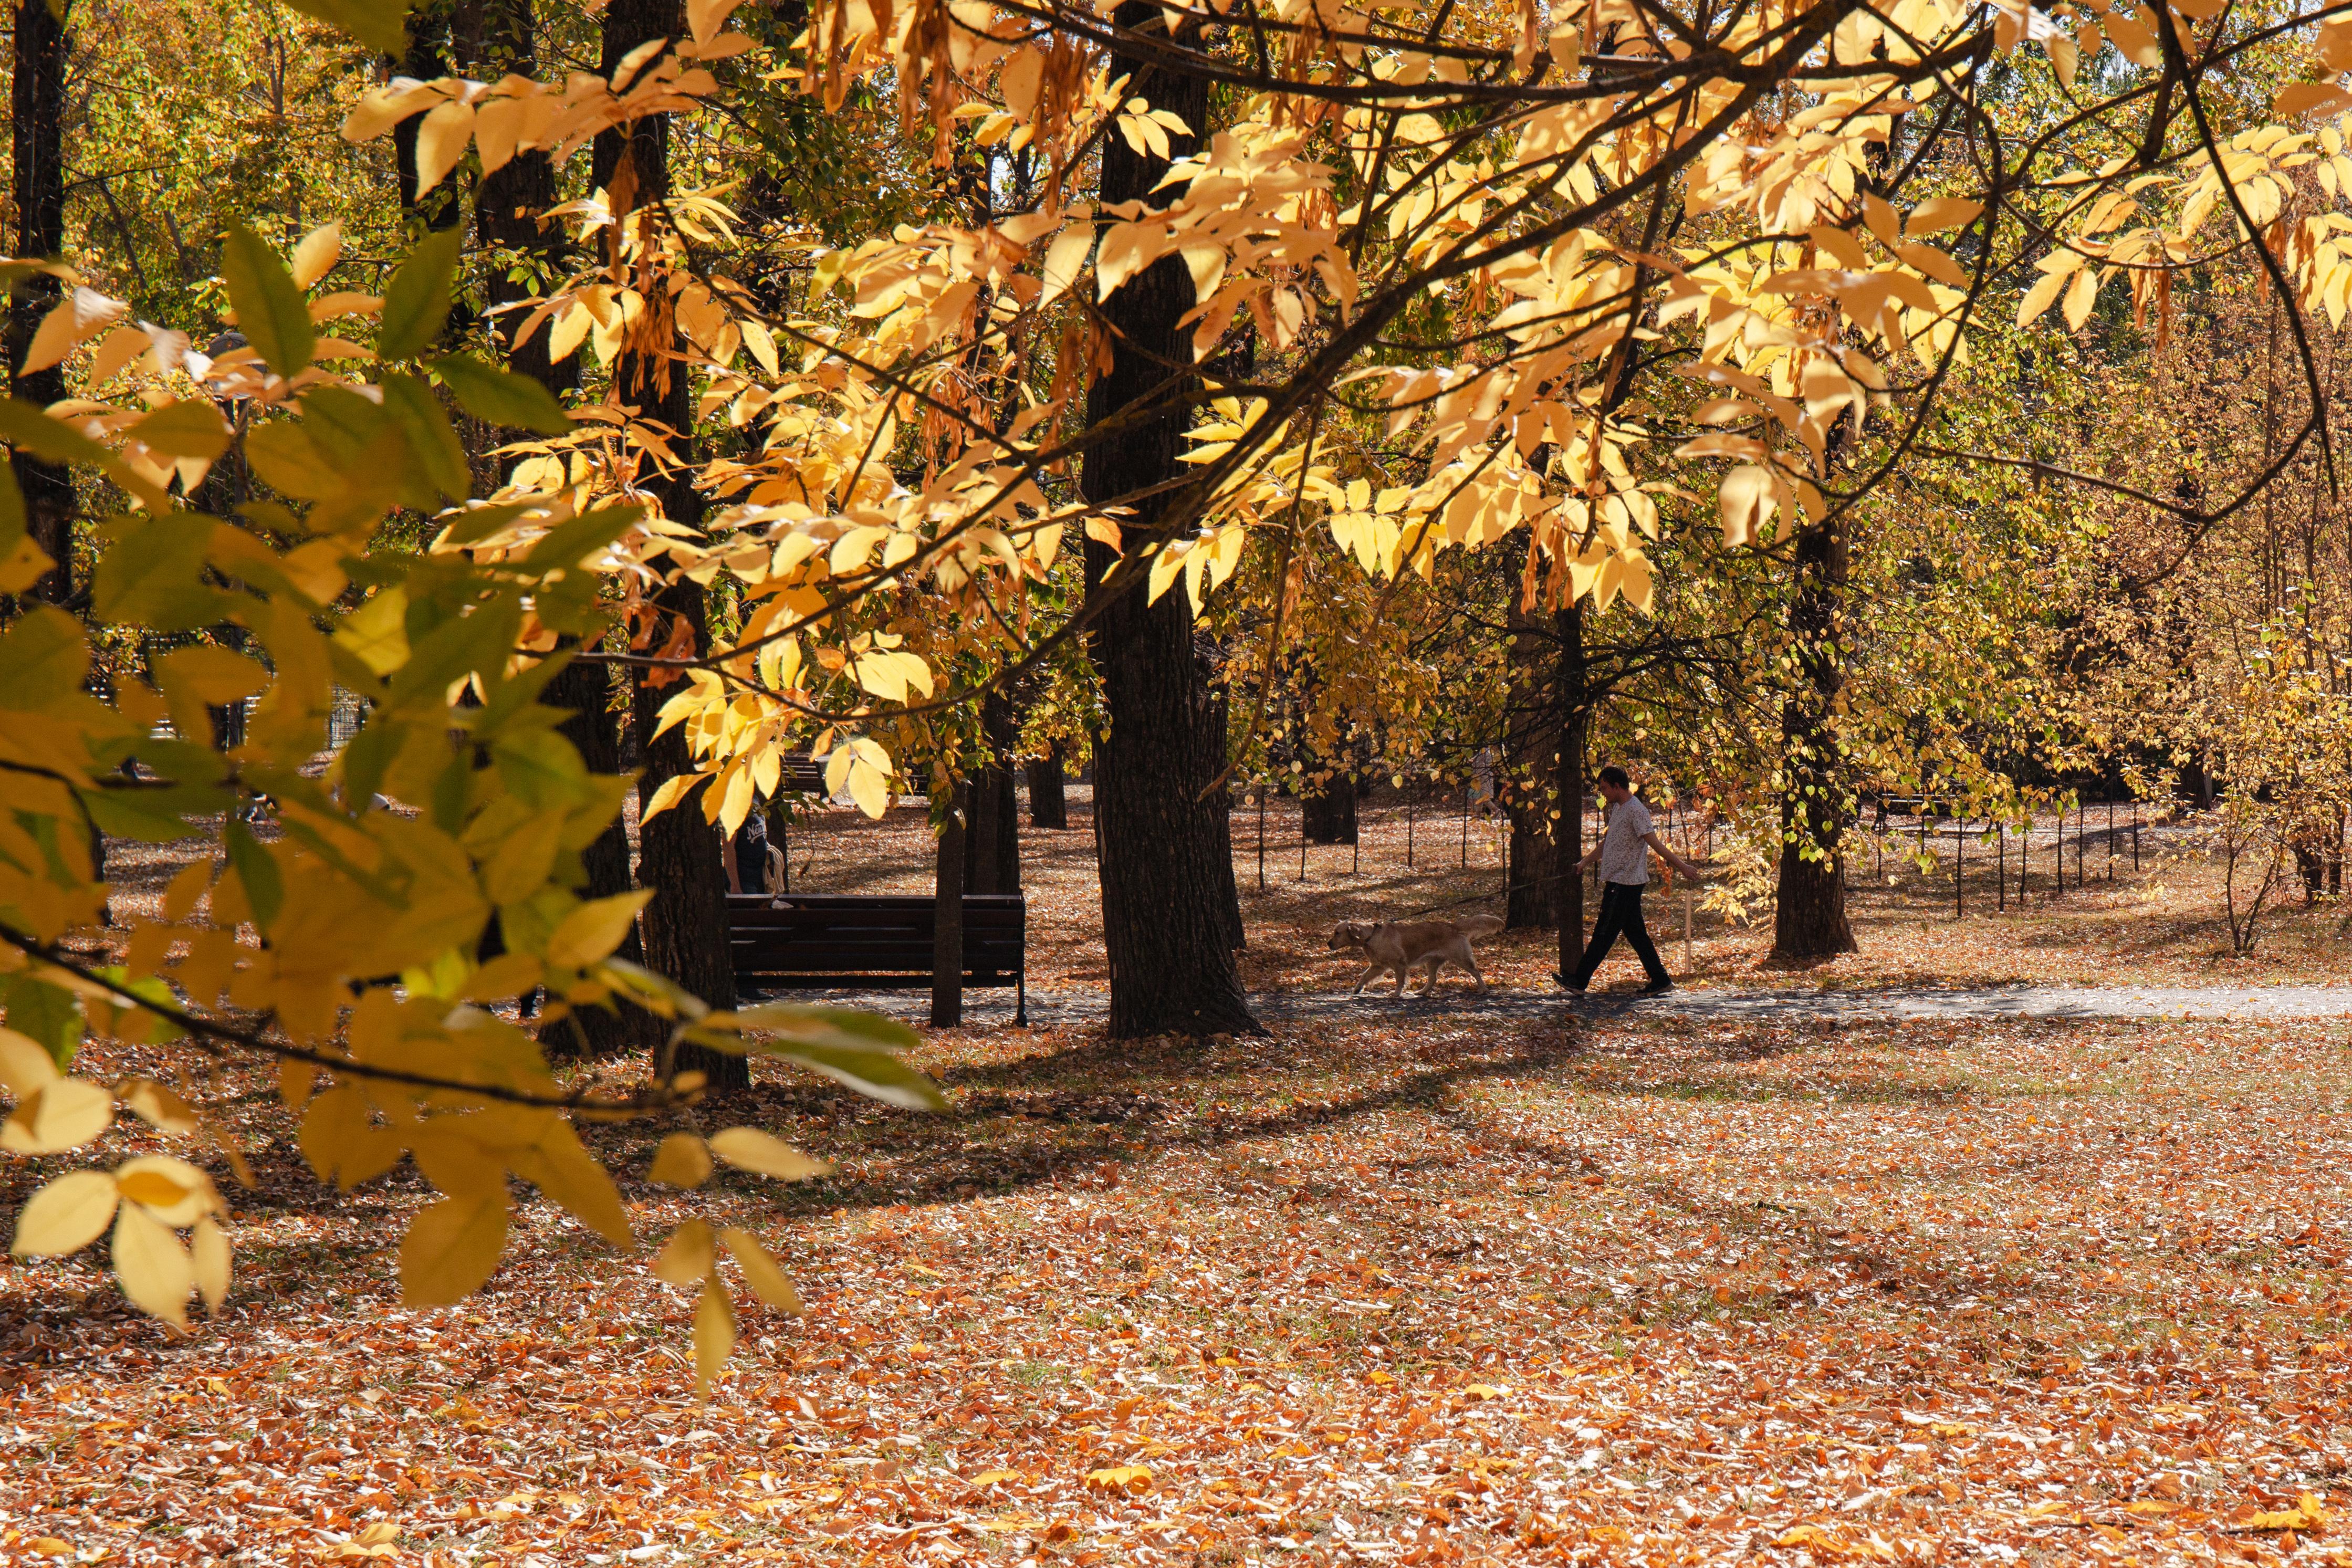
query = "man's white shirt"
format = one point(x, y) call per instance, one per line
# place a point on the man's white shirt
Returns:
point(1624, 857)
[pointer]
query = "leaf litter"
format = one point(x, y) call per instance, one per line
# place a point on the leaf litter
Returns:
point(1652, 1291)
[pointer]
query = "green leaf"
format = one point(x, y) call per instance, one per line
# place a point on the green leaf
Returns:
point(417, 304)
point(563, 547)
point(46, 1013)
point(152, 577)
point(151, 815)
point(876, 1074)
point(806, 1021)
point(439, 454)
point(28, 425)
point(270, 310)
point(502, 396)
point(265, 890)
point(381, 25)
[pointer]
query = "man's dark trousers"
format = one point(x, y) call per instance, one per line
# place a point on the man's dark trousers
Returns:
point(1621, 913)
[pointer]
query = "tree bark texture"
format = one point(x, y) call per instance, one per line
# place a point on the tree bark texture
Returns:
point(685, 926)
point(1327, 811)
point(1165, 865)
point(1575, 732)
point(1531, 724)
point(1809, 921)
point(947, 915)
point(36, 143)
point(992, 862)
point(494, 38)
point(1049, 804)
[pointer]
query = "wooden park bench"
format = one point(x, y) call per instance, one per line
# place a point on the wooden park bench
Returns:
point(873, 942)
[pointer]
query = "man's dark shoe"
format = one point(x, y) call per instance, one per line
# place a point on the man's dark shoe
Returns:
point(1566, 984)
point(1658, 988)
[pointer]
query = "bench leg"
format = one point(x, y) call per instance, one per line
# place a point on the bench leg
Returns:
point(1021, 1001)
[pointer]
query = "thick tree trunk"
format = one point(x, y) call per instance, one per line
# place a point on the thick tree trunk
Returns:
point(36, 141)
point(1327, 811)
point(1165, 864)
point(1049, 805)
point(1811, 921)
point(991, 856)
point(1575, 739)
point(947, 915)
point(1531, 775)
point(685, 926)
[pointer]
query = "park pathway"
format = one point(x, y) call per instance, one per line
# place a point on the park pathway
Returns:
point(1079, 1006)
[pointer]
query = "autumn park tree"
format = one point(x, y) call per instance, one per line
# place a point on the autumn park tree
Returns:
point(1240, 382)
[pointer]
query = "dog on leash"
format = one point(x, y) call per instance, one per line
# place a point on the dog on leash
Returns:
point(1405, 945)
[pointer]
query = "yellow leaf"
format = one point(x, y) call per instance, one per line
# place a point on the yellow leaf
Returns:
point(990, 1477)
point(186, 886)
point(682, 1160)
point(441, 141)
point(749, 1149)
point(377, 632)
point(24, 1066)
point(317, 255)
point(208, 1254)
point(1748, 502)
point(762, 344)
point(451, 1248)
point(870, 787)
point(594, 930)
point(705, 17)
point(148, 1264)
point(2081, 295)
point(2307, 1514)
point(2064, 56)
point(688, 1254)
point(759, 1270)
point(65, 1215)
point(178, 1192)
point(160, 1108)
point(1121, 1478)
point(1484, 1391)
point(714, 1335)
point(48, 1546)
point(58, 1116)
point(1942, 212)
point(2040, 297)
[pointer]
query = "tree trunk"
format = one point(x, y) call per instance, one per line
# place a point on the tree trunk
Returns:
point(1531, 775)
point(37, 140)
point(947, 915)
point(1809, 922)
point(1049, 806)
point(1165, 867)
point(685, 926)
point(1327, 811)
point(991, 856)
point(1576, 727)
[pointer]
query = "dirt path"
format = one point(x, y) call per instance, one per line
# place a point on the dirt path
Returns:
point(1079, 1006)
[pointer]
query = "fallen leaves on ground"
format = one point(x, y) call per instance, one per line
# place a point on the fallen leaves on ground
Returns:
point(1663, 1293)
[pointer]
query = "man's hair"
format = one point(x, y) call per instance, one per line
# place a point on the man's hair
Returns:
point(1613, 774)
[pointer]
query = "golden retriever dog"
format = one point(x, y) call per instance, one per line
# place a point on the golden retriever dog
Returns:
point(1403, 945)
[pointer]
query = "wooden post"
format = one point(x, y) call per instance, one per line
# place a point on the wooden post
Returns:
point(2000, 864)
point(1465, 824)
point(1261, 835)
point(2111, 839)
point(947, 916)
point(2058, 853)
point(1959, 867)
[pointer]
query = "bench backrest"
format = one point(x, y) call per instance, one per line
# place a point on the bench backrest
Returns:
point(873, 934)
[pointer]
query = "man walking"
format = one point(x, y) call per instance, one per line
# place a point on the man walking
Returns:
point(1623, 853)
